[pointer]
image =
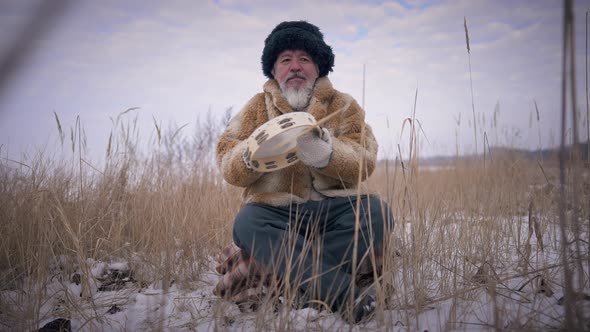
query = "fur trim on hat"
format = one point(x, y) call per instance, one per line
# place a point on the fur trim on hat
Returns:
point(297, 35)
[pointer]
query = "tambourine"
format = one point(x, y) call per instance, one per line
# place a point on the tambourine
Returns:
point(273, 145)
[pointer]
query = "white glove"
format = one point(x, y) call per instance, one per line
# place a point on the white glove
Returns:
point(313, 150)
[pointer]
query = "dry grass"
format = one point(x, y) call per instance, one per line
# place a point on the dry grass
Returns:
point(461, 231)
point(144, 210)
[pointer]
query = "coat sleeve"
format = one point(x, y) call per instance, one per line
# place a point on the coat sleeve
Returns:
point(354, 141)
point(232, 145)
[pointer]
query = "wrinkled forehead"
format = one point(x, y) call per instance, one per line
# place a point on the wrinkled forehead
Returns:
point(294, 52)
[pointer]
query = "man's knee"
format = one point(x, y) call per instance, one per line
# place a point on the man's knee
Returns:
point(380, 219)
point(381, 212)
point(244, 227)
point(239, 235)
point(257, 223)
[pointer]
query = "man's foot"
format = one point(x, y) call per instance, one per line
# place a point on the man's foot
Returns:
point(364, 307)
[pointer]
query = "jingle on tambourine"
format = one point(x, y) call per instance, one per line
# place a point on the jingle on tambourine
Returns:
point(273, 145)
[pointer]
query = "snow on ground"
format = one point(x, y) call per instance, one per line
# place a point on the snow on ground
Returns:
point(117, 302)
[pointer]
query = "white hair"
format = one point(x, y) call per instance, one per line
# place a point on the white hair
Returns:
point(298, 98)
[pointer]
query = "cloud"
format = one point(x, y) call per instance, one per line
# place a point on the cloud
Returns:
point(179, 59)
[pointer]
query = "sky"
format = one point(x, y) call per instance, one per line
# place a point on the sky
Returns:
point(178, 60)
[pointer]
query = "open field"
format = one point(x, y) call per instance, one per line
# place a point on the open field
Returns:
point(498, 240)
point(131, 245)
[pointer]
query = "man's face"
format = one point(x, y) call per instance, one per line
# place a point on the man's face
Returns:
point(295, 69)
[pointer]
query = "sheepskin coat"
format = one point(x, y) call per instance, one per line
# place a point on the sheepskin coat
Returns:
point(294, 184)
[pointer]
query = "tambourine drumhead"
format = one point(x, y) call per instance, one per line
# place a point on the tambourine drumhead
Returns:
point(281, 143)
point(273, 145)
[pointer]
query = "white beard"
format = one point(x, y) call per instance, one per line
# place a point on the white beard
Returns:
point(298, 99)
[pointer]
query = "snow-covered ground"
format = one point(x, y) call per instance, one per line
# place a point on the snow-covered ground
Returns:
point(116, 301)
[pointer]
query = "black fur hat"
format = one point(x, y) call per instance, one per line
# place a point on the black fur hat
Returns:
point(297, 35)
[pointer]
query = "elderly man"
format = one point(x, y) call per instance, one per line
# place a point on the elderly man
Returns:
point(299, 221)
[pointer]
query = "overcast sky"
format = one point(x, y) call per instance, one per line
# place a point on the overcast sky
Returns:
point(177, 59)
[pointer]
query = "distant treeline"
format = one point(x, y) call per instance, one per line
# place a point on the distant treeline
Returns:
point(548, 154)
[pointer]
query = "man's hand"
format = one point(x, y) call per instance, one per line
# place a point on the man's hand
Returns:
point(313, 150)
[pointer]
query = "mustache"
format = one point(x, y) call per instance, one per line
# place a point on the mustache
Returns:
point(296, 75)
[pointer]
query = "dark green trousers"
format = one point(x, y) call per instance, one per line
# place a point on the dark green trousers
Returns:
point(310, 246)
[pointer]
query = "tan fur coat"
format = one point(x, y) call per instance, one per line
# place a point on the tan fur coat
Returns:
point(295, 183)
